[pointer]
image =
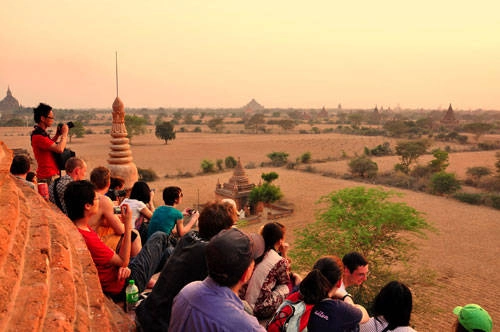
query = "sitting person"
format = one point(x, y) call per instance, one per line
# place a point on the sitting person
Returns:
point(166, 217)
point(141, 203)
point(31, 177)
point(76, 169)
point(213, 304)
point(355, 271)
point(114, 268)
point(472, 318)
point(269, 285)
point(116, 192)
point(20, 167)
point(186, 264)
point(336, 314)
point(317, 285)
point(391, 310)
point(105, 222)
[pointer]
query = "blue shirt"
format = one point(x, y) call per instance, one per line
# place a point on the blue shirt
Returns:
point(164, 219)
point(206, 306)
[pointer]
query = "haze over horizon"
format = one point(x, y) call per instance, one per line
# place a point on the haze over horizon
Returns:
point(223, 53)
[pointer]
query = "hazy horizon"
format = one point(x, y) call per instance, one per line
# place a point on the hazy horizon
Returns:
point(221, 54)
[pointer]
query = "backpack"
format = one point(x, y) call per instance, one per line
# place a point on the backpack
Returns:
point(289, 316)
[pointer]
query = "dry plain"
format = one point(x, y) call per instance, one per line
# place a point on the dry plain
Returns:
point(463, 254)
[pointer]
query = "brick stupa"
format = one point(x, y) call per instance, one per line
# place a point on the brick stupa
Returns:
point(120, 157)
point(238, 188)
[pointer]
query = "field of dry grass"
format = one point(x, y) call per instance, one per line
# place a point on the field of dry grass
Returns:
point(463, 253)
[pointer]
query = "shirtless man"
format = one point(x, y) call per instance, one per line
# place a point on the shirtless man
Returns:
point(105, 222)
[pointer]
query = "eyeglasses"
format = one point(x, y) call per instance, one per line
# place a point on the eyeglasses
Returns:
point(181, 195)
point(50, 117)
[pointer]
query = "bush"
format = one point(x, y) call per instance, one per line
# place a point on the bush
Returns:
point(305, 157)
point(147, 174)
point(444, 183)
point(278, 158)
point(474, 199)
point(363, 167)
point(495, 201)
point(382, 150)
point(230, 162)
point(207, 166)
point(219, 163)
point(197, 130)
point(267, 193)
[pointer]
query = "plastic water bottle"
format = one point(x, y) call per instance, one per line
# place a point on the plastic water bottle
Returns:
point(132, 296)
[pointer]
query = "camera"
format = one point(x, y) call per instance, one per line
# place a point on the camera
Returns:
point(69, 124)
point(117, 210)
point(120, 193)
point(191, 211)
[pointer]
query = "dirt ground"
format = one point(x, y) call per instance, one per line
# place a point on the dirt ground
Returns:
point(463, 253)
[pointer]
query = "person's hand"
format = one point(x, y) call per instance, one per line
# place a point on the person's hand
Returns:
point(123, 273)
point(186, 212)
point(152, 195)
point(283, 249)
point(126, 214)
point(64, 130)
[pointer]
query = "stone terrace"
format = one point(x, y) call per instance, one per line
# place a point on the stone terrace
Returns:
point(48, 281)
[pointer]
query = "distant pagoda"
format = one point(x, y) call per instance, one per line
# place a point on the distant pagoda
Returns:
point(238, 188)
point(9, 106)
point(120, 157)
point(449, 118)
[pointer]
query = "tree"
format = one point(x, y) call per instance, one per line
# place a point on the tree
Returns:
point(267, 193)
point(444, 183)
point(78, 130)
point(363, 167)
point(478, 172)
point(219, 163)
point(361, 219)
point(440, 163)
point(269, 177)
point(165, 131)
point(287, 124)
point(278, 158)
point(478, 129)
point(216, 124)
point(255, 122)
point(410, 151)
point(230, 162)
point(135, 125)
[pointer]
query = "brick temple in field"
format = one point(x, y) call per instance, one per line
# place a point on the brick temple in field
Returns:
point(238, 188)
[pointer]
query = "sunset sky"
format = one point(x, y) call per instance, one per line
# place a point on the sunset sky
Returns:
point(222, 53)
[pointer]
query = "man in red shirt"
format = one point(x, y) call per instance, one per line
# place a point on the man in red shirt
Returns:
point(114, 268)
point(43, 145)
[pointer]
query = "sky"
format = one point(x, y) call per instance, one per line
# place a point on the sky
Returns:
point(222, 53)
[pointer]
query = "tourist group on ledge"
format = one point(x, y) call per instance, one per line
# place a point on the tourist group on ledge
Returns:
point(196, 271)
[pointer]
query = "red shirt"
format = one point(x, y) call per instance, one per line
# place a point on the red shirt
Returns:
point(101, 255)
point(41, 143)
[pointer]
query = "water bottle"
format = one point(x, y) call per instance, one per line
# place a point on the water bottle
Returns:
point(132, 296)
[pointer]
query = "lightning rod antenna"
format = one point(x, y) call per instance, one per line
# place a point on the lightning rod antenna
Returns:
point(116, 64)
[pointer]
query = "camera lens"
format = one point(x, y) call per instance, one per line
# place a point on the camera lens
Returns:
point(70, 125)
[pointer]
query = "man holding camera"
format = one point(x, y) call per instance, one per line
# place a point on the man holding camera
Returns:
point(44, 146)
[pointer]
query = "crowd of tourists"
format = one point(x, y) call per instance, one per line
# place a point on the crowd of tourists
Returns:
point(211, 276)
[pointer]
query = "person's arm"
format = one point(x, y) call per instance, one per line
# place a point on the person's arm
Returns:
point(347, 298)
point(146, 212)
point(122, 258)
point(111, 219)
point(58, 147)
point(183, 229)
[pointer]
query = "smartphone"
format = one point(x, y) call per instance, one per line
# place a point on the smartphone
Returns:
point(117, 210)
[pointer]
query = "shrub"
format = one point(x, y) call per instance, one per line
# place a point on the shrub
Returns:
point(219, 163)
point(197, 130)
point(495, 201)
point(269, 177)
point(266, 193)
point(363, 167)
point(230, 162)
point(147, 174)
point(278, 158)
point(444, 183)
point(474, 199)
point(382, 150)
point(207, 166)
point(305, 157)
